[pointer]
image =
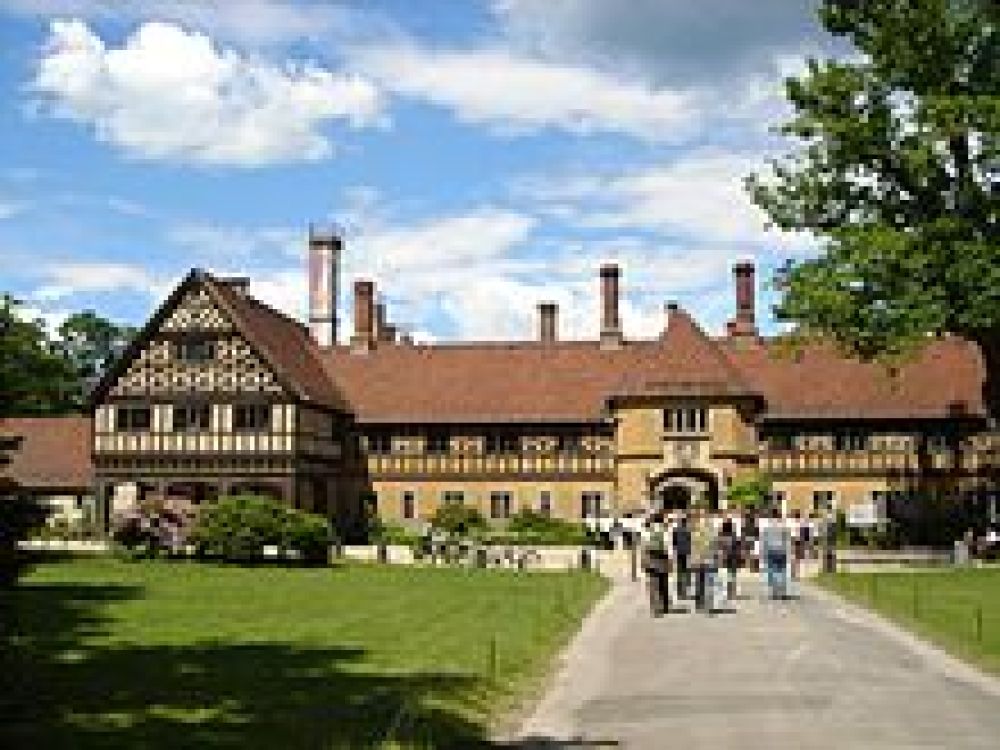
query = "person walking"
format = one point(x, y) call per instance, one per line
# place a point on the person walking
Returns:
point(730, 547)
point(682, 555)
point(774, 543)
point(702, 558)
point(656, 562)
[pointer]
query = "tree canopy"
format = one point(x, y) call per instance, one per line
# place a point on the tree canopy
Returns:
point(42, 374)
point(896, 171)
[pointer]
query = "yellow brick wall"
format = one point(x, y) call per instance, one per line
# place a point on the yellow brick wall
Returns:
point(565, 496)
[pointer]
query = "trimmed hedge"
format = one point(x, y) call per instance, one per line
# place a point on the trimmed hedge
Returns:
point(237, 529)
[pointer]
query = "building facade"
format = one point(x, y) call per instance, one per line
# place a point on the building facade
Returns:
point(220, 393)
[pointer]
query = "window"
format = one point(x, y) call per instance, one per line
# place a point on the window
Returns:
point(409, 509)
point(453, 497)
point(781, 441)
point(690, 419)
point(195, 350)
point(850, 440)
point(570, 444)
point(379, 442)
point(437, 442)
point(822, 501)
point(500, 442)
point(132, 418)
point(940, 441)
point(590, 504)
point(499, 505)
point(250, 417)
point(192, 417)
point(545, 503)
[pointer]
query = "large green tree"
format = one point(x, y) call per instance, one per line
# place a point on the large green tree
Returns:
point(896, 171)
point(35, 378)
point(91, 343)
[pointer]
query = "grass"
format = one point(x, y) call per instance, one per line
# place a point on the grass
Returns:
point(957, 609)
point(108, 654)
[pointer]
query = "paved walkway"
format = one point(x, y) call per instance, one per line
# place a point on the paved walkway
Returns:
point(811, 673)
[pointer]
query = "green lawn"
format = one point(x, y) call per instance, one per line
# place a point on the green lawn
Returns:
point(957, 609)
point(114, 654)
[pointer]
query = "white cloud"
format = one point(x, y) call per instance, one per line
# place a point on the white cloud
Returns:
point(669, 42)
point(169, 94)
point(513, 93)
point(240, 246)
point(252, 22)
point(696, 198)
point(66, 279)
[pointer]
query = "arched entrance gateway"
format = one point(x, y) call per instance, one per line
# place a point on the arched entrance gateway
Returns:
point(683, 489)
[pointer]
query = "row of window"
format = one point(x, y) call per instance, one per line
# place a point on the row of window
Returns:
point(852, 440)
point(194, 418)
point(439, 443)
point(501, 503)
point(686, 420)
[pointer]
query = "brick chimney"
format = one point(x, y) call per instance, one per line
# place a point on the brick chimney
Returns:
point(548, 321)
point(611, 326)
point(745, 321)
point(363, 339)
point(324, 265)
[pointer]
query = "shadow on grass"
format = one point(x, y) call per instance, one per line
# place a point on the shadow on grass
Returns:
point(60, 688)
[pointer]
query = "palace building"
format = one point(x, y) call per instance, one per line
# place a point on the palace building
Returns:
point(221, 393)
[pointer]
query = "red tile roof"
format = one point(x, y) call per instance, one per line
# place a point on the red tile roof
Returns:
point(572, 381)
point(944, 379)
point(53, 456)
point(285, 344)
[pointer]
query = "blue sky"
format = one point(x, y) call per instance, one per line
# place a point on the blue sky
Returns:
point(479, 156)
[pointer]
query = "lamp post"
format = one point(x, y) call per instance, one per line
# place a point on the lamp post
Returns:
point(830, 543)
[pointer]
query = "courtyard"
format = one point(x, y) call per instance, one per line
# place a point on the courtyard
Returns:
point(113, 654)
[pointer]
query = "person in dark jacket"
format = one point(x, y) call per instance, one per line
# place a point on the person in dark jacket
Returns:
point(682, 555)
point(656, 562)
point(730, 548)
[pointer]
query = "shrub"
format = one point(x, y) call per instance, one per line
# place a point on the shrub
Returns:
point(237, 529)
point(751, 492)
point(458, 519)
point(155, 526)
point(531, 527)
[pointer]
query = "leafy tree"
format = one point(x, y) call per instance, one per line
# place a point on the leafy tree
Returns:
point(18, 515)
point(34, 377)
point(91, 343)
point(750, 492)
point(897, 172)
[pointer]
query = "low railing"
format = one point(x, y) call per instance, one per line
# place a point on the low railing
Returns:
point(380, 465)
point(966, 460)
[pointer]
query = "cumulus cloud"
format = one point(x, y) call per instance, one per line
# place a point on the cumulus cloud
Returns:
point(171, 94)
point(514, 93)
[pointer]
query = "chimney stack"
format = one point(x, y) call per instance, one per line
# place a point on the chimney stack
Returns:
point(363, 339)
point(745, 321)
point(379, 322)
point(611, 327)
point(324, 265)
point(548, 317)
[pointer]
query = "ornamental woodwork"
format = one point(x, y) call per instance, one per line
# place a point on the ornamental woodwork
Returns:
point(235, 369)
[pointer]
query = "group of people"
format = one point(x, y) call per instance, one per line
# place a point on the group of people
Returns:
point(704, 551)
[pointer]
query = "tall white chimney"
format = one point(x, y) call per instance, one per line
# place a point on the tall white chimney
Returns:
point(324, 266)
